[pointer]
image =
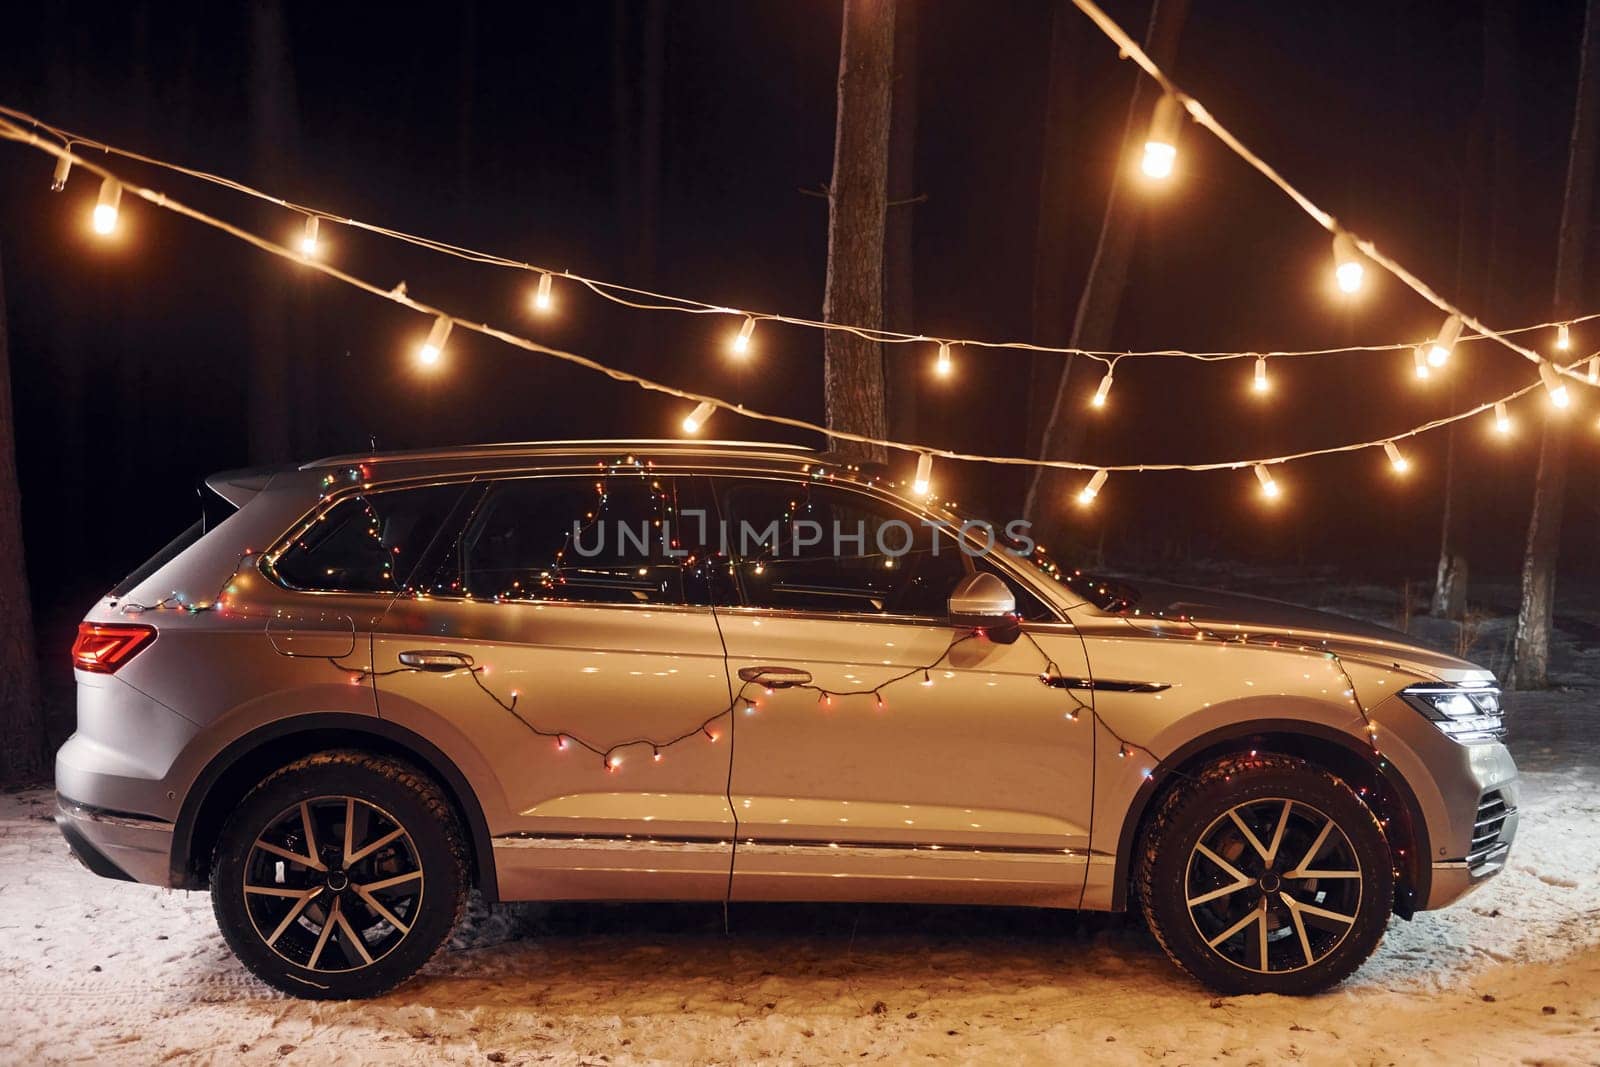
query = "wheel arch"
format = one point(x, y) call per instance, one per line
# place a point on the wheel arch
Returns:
point(1385, 790)
point(243, 763)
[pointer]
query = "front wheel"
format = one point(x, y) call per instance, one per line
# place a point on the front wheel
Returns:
point(339, 876)
point(1266, 875)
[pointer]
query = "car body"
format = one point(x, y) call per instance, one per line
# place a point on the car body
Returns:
point(700, 722)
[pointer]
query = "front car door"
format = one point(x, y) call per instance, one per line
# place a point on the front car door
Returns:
point(920, 767)
point(560, 648)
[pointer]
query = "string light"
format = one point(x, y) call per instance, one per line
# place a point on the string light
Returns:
point(921, 485)
point(1269, 488)
point(433, 348)
point(741, 343)
point(1260, 384)
point(105, 209)
point(1348, 269)
point(1502, 418)
point(1161, 144)
point(1099, 399)
point(1554, 386)
point(1396, 459)
point(697, 418)
point(541, 294)
point(1593, 377)
point(1091, 488)
point(1422, 363)
point(308, 239)
point(1445, 343)
point(941, 362)
point(1564, 336)
point(58, 180)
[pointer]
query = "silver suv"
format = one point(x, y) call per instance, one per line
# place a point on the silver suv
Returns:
point(658, 671)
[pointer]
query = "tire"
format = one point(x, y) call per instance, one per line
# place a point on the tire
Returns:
point(375, 905)
point(1220, 908)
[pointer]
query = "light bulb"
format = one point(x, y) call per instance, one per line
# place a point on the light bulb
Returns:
point(1269, 488)
point(741, 343)
point(1348, 269)
point(1099, 399)
point(697, 418)
point(1422, 363)
point(105, 209)
point(941, 363)
point(1161, 144)
point(1398, 461)
point(1554, 386)
point(1502, 419)
point(1260, 384)
point(1594, 370)
point(308, 239)
point(1091, 488)
point(58, 180)
point(1445, 343)
point(1564, 336)
point(921, 485)
point(433, 348)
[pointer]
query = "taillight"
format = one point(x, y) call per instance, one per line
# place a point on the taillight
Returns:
point(103, 649)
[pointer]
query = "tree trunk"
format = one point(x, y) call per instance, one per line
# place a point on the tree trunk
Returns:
point(906, 363)
point(1052, 308)
point(1096, 317)
point(1531, 656)
point(853, 366)
point(21, 716)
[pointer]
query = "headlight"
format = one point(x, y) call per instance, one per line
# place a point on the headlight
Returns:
point(1466, 714)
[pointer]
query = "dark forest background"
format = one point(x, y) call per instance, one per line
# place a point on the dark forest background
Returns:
point(677, 146)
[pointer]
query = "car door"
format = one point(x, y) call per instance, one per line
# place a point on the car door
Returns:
point(921, 764)
point(551, 648)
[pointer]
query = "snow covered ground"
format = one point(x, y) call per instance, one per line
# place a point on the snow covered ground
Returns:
point(106, 972)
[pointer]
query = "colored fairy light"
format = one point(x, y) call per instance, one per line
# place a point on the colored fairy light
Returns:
point(697, 418)
point(432, 349)
point(1348, 269)
point(921, 485)
point(1161, 143)
point(1554, 386)
point(1091, 488)
point(105, 209)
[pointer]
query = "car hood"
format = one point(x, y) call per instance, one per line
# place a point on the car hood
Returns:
point(1264, 617)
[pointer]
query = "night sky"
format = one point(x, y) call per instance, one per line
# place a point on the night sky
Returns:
point(496, 127)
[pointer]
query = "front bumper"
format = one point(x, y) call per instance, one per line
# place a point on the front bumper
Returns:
point(1488, 817)
point(133, 848)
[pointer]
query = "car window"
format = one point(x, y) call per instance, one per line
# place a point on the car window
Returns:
point(367, 543)
point(609, 540)
point(801, 546)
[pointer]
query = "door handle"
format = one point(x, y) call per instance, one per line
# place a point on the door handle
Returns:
point(775, 677)
point(424, 659)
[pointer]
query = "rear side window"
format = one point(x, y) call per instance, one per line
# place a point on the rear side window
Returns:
point(366, 543)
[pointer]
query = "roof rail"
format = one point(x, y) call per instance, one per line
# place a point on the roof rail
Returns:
point(531, 448)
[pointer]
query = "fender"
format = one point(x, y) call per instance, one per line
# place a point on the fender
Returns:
point(1423, 875)
point(422, 750)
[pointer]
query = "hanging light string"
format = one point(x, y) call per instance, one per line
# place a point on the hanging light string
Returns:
point(647, 300)
point(1127, 46)
point(399, 295)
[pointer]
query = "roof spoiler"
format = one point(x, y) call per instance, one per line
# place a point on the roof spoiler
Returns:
point(240, 487)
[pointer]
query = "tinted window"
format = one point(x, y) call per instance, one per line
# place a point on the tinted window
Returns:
point(612, 540)
point(807, 547)
point(366, 543)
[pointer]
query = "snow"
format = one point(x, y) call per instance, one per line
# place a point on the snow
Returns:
point(99, 971)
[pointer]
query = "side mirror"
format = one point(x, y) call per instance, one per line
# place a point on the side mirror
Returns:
point(985, 602)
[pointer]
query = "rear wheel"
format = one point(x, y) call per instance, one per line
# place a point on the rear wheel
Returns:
point(1266, 875)
point(339, 876)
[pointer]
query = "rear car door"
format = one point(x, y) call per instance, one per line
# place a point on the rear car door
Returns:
point(952, 773)
point(560, 648)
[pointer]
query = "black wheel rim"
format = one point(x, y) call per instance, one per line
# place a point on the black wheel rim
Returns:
point(1273, 885)
point(333, 884)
